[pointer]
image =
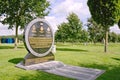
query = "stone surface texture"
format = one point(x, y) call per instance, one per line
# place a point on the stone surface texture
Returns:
point(61, 69)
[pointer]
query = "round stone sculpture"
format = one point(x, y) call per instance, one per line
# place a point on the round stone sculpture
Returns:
point(38, 37)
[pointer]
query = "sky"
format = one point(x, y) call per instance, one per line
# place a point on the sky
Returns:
point(60, 9)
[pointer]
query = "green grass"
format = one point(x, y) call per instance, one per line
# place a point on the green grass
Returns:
point(91, 56)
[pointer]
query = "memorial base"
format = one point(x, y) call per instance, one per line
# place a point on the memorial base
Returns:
point(31, 59)
point(61, 69)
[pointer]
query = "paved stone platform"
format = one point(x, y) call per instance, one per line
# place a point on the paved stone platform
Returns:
point(59, 68)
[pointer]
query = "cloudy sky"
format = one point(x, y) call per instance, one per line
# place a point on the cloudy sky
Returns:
point(60, 9)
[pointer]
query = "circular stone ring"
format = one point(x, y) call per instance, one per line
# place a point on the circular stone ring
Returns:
point(38, 37)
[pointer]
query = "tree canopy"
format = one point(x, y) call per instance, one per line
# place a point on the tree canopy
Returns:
point(62, 33)
point(19, 12)
point(119, 23)
point(95, 31)
point(69, 31)
point(75, 27)
point(106, 13)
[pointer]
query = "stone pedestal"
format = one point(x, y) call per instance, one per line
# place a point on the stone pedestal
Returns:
point(31, 59)
point(61, 69)
point(39, 40)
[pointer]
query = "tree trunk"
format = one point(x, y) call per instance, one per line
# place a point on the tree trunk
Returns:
point(16, 37)
point(106, 41)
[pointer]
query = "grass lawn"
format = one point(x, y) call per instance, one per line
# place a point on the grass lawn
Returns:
point(91, 56)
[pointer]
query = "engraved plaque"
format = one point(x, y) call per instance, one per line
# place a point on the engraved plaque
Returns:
point(38, 37)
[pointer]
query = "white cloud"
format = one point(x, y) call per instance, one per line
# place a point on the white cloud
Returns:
point(52, 21)
point(51, 1)
point(5, 31)
point(115, 29)
point(66, 7)
point(60, 9)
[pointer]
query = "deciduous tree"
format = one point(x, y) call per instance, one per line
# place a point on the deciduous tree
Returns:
point(106, 13)
point(19, 12)
point(75, 27)
point(71, 30)
point(95, 30)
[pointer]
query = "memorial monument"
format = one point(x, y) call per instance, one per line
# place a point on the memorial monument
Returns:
point(38, 40)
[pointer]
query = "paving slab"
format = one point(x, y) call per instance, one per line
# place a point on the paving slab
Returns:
point(61, 69)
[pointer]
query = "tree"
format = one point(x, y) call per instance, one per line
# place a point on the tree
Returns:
point(106, 13)
point(119, 23)
point(113, 37)
point(119, 38)
point(62, 34)
point(19, 12)
point(84, 37)
point(95, 31)
point(75, 27)
point(71, 30)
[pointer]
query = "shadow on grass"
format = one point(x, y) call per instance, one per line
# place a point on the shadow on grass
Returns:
point(10, 47)
point(39, 75)
point(69, 49)
point(15, 60)
point(6, 47)
point(112, 72)
point(118, 59)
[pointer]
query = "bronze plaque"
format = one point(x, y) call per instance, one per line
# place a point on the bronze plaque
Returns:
point(39, 37)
